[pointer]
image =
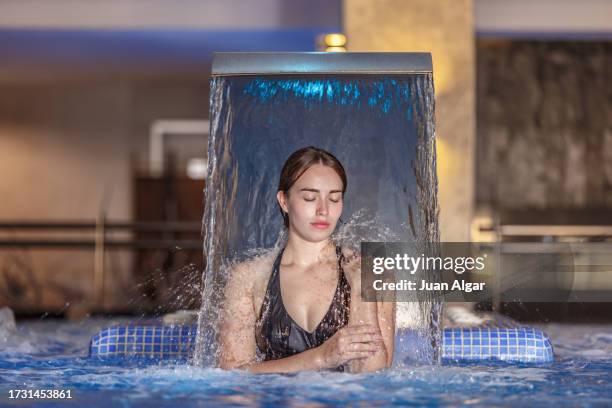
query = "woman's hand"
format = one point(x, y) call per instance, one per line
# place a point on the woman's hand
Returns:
point(351, 342)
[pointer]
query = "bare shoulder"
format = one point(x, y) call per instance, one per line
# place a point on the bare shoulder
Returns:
point(350, 253)
point(351, 265)
point(251, 277)
point(251, 271)
point(351, 258)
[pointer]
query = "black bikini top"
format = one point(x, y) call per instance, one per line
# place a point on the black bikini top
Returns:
point(279, 336)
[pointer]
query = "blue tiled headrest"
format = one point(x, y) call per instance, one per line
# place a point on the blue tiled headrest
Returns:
point(518, 344)
point(147, 341)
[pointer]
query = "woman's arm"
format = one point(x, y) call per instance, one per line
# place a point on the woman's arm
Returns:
point(386, 322)
point(237, 330)
point(350, 343)
point(380, 315)
point(367, 313)
point(237, 319)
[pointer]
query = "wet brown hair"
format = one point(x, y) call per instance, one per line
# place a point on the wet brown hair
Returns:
point(300, 161)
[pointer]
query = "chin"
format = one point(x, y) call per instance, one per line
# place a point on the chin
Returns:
point(314, 237)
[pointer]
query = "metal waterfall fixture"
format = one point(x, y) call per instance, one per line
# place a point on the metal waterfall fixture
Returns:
point(373, 111)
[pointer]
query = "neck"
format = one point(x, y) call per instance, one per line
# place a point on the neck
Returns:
point(305, 253)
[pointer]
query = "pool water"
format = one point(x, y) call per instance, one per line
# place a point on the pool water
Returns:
point(51, 354)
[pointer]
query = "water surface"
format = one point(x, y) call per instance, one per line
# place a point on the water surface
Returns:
point(53, 354)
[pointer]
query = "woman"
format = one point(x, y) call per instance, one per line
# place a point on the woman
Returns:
point(280, 305)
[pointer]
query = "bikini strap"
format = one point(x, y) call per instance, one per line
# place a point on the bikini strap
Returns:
point(272, 280)
point(275, 277)
point(340, 256)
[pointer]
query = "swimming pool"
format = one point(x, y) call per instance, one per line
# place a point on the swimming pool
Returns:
point(52, 354)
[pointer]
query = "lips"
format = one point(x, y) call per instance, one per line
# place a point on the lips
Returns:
point(320, 225)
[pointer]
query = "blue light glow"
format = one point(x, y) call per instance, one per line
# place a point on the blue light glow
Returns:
point(386, 94)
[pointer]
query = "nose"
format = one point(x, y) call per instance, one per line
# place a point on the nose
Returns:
point(322, 207)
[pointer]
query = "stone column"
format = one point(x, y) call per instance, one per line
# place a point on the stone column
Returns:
point(446, 29)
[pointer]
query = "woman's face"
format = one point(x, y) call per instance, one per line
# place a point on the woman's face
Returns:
point(314, 204)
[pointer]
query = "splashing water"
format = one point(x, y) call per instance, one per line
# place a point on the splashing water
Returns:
point(52, 354)
point(379, 126)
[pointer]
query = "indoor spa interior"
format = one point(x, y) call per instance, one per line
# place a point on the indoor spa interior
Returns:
point(184, 184)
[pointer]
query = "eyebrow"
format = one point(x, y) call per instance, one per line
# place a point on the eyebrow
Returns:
point(314, 190)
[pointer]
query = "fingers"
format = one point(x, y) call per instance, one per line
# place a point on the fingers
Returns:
point(364, 338)
point(360, 338)
point(361, 347)
point(361, 333)
point(360, 329)
point(362, 351)
point(354, 355)
point(356, 341)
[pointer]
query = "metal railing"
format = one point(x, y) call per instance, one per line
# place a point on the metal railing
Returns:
point(490, 229)
point(99, 240)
